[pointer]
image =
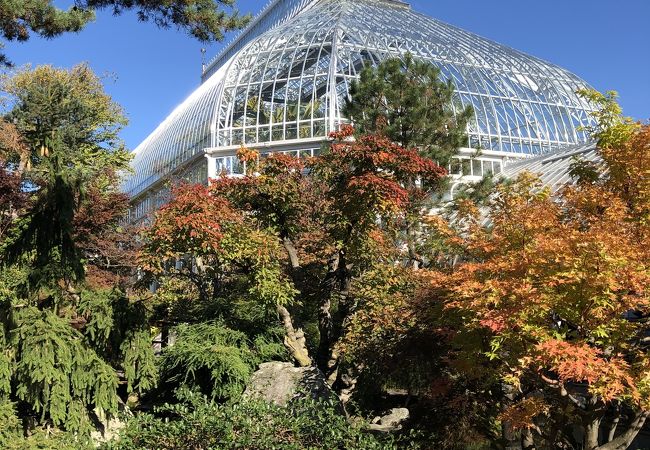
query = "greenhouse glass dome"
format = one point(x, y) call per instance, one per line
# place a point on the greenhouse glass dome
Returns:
point(280, 86)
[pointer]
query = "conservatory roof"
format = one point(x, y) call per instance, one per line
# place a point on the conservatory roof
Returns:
point(554, 168)
point(285, 78)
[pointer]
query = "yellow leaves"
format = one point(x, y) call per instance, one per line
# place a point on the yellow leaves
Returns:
point(249, 157)
point(612, 127)
point(551, 280)
point(625, 147)
point(628, 161)
point(643, 383)
point(521, 415)
point(385, 314)
point(12, 143)
point(467, 210)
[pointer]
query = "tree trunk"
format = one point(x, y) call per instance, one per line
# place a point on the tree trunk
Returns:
point(415, 260)
point(325, 331)
point(591, 434)
point(325, 322)
point(294, 340)
point(292, 252)
point(624, 440)
point(613, 427)
point(346, 382)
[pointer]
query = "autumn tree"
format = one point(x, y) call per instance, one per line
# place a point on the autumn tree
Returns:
point(64, 335)
point(337, 219)
point(206, 20)
point(407, 101)
point(342, 213)
point(309, 233)
point(371, 183)
point(558, 288)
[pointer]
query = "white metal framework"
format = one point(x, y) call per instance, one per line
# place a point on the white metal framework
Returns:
point(554, 169)
point(281, 84)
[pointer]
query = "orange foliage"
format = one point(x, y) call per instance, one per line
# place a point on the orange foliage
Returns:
point(521, 415)
point(629, 172)
point(578, 362)
point(551, 280)
point(247, 155)
point(370, 175)
point(191, 223)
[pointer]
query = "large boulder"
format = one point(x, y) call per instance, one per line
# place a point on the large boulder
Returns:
point(281, 382)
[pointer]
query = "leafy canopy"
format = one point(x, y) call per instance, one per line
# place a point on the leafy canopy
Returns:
point(557, 286)
point(68, 145)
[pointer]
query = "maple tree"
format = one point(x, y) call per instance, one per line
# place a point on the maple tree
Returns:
point(371, 183)
point(329, 221)
point(338, 215)
point(201, 238)
point(280, 194)
point(559, 288)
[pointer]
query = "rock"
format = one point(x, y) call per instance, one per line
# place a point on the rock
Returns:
point(397, 416)
point(393, 421)
point(110, 430)
point(281, 382)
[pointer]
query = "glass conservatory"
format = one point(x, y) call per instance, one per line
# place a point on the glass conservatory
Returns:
point(280, 86)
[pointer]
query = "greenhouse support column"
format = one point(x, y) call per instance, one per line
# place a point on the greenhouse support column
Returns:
point(212, 167)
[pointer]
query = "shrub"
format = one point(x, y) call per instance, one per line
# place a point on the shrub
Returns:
point(213, 359)
point(12, 438)
point(307, 424)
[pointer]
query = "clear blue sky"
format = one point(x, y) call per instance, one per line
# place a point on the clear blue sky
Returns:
point(605, 42)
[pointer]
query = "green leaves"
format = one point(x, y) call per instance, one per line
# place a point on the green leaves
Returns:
point(41, 17)
point(55, 372)
point(69, 129)
point(118, 329)
point(206, 20)
point(65, 340)
point(139, 362)
point(251, 425)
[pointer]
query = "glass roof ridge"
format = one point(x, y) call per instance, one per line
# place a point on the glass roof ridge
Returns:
point(249, 33)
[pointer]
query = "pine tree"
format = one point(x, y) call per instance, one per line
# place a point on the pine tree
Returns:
point(407, 101)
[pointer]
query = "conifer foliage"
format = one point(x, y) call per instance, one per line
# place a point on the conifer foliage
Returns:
point(64, 336)
point(206, 20)
point(406, 101)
